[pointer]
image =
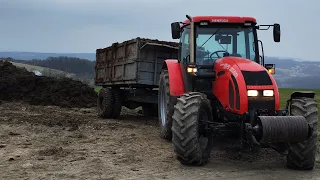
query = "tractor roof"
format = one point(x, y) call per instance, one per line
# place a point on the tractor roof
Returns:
point(222, 19)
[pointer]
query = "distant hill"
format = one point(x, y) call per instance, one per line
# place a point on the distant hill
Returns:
point(296, 74)
point(71, 67)
point(82, 68)
point(44, 70)
point(290, 73)
point(36, 55)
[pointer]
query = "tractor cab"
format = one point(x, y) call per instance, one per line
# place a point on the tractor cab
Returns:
point(216, 41)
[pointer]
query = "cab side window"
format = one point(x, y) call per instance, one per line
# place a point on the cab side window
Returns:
point(185, 45)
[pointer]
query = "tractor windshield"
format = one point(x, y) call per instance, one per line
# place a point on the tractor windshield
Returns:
point(216, 42)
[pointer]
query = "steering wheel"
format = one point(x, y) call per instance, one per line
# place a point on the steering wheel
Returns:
point(216, 52)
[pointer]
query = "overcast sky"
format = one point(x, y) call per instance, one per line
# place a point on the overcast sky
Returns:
point(85, 25)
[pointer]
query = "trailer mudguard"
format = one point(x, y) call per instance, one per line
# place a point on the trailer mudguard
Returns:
point(175, 77)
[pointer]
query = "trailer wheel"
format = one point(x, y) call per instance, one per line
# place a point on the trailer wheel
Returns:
point(117, 103)
point(191, 142)
point(166, 104)
point(303, 155)
point(105, 103)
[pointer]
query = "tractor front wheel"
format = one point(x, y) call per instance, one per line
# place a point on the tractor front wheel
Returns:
point(191, 141)
point(303, 155)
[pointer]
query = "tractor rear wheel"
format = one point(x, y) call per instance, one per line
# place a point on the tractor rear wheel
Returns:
point(303, 155)
point(105, 103)
point(191, 142)
point(166, 104)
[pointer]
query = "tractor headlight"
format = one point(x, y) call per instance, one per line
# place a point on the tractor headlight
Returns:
point(192, 70)
point(268, 93)
point(252, 93)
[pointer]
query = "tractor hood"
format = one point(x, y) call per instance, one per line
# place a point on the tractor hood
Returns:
point(235, 76)
point(245, 64)
point(248, 71)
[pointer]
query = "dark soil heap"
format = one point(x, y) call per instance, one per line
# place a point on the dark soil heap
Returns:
point(17, 84)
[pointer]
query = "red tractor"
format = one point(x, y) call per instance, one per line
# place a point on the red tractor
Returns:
point(220, 86)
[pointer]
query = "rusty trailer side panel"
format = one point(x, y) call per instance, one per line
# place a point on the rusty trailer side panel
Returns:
point(136, 62)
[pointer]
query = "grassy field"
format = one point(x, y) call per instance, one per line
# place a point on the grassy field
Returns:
point(97, 89)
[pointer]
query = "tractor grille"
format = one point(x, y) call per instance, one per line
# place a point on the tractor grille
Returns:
point(261, 103)
point(254, 78)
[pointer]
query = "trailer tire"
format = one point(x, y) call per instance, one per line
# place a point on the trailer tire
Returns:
point(105, 103)
point(190, 110)
point(166, 104)
point(302, 155)
point(117, 103)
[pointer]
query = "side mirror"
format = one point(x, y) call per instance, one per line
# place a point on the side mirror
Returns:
point(276, 32)
point(175, 30)
point(270, 68)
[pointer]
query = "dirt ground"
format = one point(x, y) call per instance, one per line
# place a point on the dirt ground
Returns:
point(49, 142)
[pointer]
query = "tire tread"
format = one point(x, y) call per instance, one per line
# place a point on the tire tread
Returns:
point(303, 155)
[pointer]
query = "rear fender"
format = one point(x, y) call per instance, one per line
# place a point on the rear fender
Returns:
point(176, 83)
point(299, 94)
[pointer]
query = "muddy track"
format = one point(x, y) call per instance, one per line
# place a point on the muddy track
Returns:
point(45, 142)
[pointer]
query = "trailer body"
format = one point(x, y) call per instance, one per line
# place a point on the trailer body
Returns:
point(134, 63)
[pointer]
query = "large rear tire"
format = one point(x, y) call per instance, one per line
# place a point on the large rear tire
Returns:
point(166, 104)
point(105, 103)
point(302, 155)
point(191, 112)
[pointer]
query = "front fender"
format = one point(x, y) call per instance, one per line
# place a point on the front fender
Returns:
point(176, 83)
